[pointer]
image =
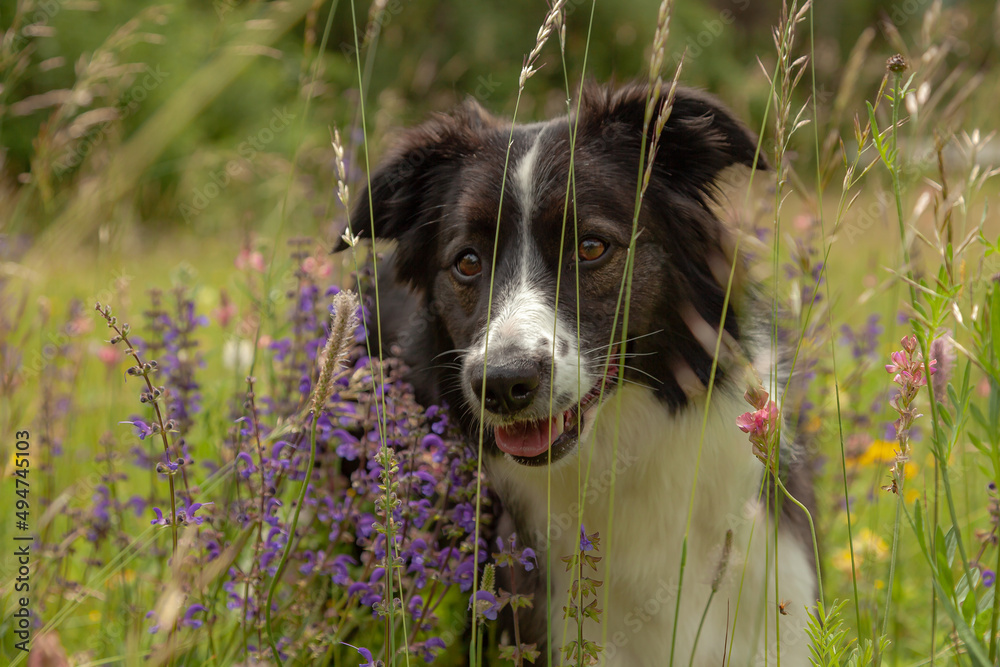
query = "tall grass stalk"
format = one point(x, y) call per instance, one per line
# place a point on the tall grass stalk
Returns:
point(343, 322)
point(527, 70)
point(573, 121)
point(787, 76)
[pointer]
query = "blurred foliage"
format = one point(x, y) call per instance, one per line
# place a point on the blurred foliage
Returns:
point(75, 79)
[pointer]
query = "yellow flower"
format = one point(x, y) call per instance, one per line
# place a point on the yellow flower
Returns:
point(868, 547)
point(880, 451)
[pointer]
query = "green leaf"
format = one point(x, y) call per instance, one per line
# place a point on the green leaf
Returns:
point(945, 416)
point(943, 574)
point(969, 610)
point(951, 539)
point(953, 396)
point(918, 523)
point(963, 584)
point(985, 603)
point(978, 415)
point(876, 137)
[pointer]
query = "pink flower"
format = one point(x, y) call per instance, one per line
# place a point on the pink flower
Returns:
point(910, 373)
point(250, 258)
point(761, 424)
point(899, 362)
point(226, 310)
point(316, 268)
point(108, 355)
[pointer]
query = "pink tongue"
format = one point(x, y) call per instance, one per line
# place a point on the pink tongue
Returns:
point(529, 439)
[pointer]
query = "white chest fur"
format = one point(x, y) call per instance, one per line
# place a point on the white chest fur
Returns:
point(656, 462)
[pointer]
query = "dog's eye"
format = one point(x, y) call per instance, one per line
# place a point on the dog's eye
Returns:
point(468, 264)
point(591, 249)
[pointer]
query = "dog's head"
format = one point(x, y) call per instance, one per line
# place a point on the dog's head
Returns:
point(524, 268)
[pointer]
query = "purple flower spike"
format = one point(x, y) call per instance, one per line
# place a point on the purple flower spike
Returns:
point(585, 543)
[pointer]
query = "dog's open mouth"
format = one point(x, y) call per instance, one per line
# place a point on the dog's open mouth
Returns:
point(536, 443)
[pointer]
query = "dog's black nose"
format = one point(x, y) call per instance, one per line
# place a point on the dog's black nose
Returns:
point(509, 388)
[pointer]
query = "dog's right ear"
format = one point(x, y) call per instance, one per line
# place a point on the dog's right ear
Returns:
point(405, 194)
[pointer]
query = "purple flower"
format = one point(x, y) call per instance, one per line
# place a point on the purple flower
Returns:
point(989, 576)
point(527, 556)
point(348, 448)
point(142, 429)
point(189, 515)
point(426, 482)
point(585, 543)
point(189, 619)
point(429, 649)
point(864, 342)
point(365, 653)
point(485, 604)
point(341, 577)
point(249, 468)
point(464, 517)
point(159, 520)
point(463, 575)
point(138, 504)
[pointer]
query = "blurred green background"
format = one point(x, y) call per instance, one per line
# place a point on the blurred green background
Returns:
point(181, 87)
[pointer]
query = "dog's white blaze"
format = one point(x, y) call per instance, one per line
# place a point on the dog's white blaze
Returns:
point(641, 562)
point(521, 319)
point(525, 178)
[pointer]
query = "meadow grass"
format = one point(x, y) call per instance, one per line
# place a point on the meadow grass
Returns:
point(312, 515)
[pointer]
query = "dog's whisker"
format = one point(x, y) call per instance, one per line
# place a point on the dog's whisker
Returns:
point(630, 339)
point(457, 350)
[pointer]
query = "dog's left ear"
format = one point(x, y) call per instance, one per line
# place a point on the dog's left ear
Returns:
point(700, 139)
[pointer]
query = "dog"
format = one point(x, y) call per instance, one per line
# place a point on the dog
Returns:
point(515, 274)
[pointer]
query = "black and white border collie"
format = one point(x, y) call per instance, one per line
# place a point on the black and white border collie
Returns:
point(534, 371)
